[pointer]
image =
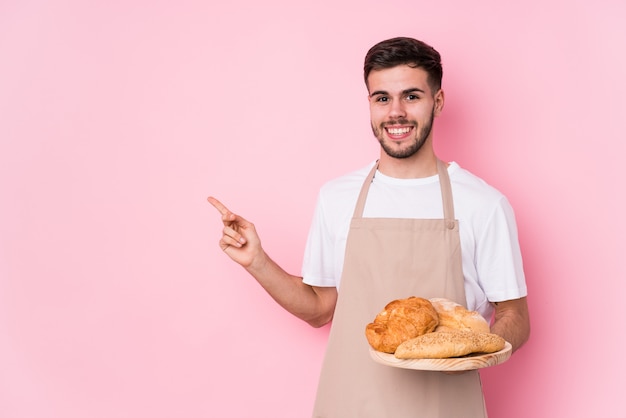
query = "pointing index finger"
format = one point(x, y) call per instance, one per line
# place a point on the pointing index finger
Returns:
point(218, 205)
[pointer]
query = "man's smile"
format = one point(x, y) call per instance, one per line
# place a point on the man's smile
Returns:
point(398, 132)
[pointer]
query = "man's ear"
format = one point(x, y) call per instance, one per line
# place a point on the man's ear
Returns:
point(439, 102)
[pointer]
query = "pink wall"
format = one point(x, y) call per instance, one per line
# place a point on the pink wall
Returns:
point(117, 119)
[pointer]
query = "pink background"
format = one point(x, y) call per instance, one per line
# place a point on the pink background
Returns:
point(118, 118)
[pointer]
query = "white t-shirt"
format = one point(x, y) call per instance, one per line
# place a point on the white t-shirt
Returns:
point(491, 257)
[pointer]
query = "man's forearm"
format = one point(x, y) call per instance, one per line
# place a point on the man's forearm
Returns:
point(313, 305)
point(512, 322)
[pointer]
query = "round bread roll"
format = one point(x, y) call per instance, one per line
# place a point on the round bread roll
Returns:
point(401, 320)
point(453, 316)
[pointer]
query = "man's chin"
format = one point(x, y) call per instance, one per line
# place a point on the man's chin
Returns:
point(400, 154)
point(400, 151)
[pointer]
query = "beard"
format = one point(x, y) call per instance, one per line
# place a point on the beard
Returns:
point(411, 149)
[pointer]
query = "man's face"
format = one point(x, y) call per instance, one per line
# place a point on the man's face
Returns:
point(402, 109)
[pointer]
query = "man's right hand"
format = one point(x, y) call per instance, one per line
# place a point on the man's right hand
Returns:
point(315, 305)
point(239, 237)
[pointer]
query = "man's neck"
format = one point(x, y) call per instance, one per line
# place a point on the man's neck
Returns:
point(420, 165)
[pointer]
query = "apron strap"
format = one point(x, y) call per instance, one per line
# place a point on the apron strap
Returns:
point(360, 203)
point(446, 194)
point(444, 183)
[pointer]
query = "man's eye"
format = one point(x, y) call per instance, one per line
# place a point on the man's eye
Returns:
point(412, 97)
point(382, 99)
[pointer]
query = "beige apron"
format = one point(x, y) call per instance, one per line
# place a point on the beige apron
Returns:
point(389, 259)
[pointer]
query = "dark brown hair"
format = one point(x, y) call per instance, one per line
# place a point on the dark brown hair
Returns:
point(405, 51)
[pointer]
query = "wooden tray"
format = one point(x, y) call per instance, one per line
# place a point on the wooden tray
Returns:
point(471, 362)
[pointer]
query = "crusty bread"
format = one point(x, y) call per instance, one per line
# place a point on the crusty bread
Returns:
point(400, 321)
point(436, 345)
point(453, 316)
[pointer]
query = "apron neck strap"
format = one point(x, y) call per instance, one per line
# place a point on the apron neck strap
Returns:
point(444, 183)
point(446, 194)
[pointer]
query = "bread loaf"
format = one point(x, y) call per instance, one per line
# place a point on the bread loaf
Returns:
point(399, 321)
point(437, 345)
point(453, 316)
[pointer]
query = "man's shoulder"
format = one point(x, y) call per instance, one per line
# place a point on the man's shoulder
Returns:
point(475, 197)
point(468, 182)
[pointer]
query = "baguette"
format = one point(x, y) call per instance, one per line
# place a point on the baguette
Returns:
point(438, 345)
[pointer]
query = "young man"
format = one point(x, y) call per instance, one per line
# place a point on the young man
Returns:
point(389, 231)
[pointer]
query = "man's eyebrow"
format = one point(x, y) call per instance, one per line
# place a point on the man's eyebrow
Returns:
point(374, 93)
point(404, 92)
point(413, 90)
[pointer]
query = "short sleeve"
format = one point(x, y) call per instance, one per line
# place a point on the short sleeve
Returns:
point(498, 256)
point(319, 254)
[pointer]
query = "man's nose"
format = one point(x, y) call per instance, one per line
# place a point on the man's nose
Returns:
point(397, 110)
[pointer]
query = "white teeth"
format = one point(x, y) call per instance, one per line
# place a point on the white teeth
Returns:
point(398, 131)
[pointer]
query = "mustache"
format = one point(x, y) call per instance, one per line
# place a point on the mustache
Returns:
point(398, 122)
